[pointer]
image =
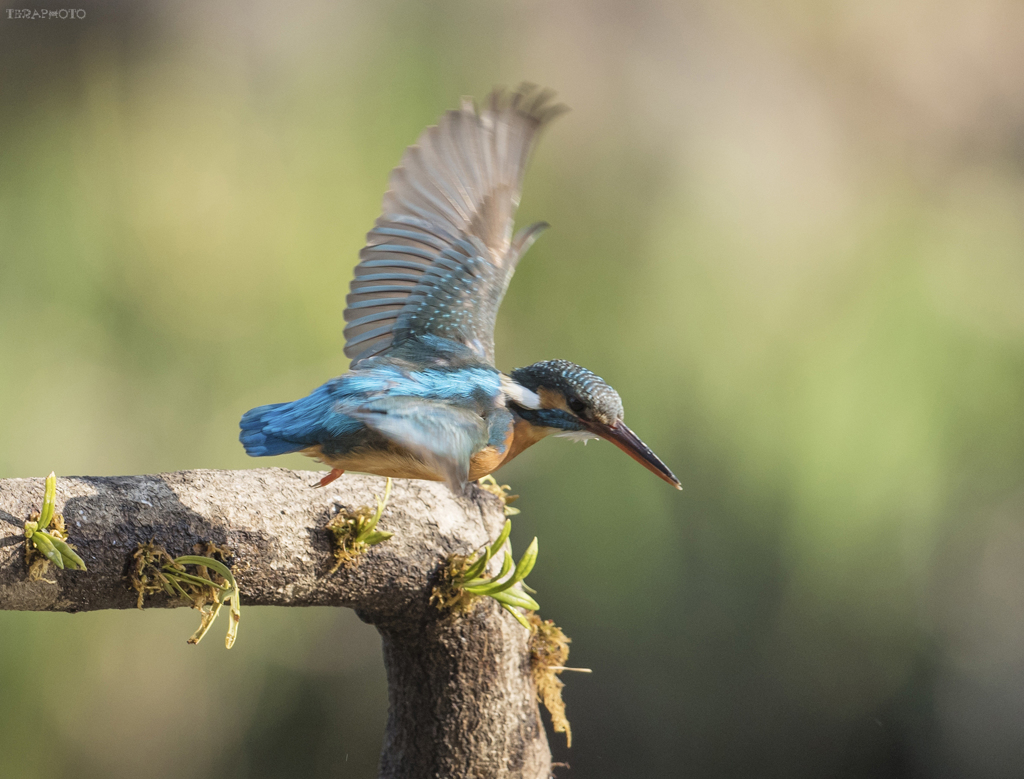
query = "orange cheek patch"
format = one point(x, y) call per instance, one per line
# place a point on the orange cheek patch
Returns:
point(551, 399)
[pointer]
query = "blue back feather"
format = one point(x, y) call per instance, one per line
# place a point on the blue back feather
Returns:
point(331, 413)
point(256, 435)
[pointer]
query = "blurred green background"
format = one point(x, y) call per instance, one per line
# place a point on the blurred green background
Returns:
point(791, 235)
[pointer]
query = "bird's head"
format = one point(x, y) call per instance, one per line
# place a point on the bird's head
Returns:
point(575, 403)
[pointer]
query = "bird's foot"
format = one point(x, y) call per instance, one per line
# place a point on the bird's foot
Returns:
point(334, 474)
point(501, 491)
point(352, 533)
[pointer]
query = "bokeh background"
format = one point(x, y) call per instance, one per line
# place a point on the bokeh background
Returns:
point(790, 234)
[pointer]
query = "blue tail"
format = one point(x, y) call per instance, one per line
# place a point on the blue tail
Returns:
point(259, 426)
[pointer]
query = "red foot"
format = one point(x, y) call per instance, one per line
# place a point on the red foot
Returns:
point(334, 474)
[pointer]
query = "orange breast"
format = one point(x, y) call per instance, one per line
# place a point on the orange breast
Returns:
point(393, 463)
point(400, 465)
point(522, 436)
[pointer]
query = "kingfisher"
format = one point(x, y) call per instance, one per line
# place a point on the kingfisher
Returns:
point(423, 398)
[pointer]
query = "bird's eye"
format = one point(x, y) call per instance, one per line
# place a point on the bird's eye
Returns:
point(577, 406)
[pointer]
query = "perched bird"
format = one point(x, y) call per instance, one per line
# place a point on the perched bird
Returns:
point(422, 398)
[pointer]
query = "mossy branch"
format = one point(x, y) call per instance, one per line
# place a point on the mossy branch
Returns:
point(460, 703)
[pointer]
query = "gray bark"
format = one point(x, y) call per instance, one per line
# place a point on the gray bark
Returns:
point(461, 700)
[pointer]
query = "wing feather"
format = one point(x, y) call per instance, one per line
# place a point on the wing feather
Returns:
point(441, 254)
point(441, 434)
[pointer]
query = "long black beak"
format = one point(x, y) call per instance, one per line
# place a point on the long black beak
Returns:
point(627, 441)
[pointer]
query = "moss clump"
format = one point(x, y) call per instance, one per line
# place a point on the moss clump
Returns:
point(352, 533)
point(549, 650)
point(145, 574)
point(151, 569)
point(448, 594)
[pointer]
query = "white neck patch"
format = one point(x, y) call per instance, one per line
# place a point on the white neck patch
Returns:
point(577, 435)
point(518, 393)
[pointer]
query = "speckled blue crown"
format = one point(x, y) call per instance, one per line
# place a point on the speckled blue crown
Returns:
point(573, 381)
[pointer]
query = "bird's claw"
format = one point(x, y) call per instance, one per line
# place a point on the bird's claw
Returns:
point(501, 491)
point(334, 474)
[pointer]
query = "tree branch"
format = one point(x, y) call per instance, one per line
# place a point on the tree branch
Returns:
point(461, 700)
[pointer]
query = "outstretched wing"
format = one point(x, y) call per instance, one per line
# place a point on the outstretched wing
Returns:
point(440, 257)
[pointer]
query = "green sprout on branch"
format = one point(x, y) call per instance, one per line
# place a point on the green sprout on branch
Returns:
point(501, 491)
point(152, 570)
point(464, 579)
point(352, 534)
point(43, 546)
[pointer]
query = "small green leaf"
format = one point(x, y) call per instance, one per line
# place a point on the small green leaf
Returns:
point(381, 504)
point(519, 617)
point(167, 585)
point(49, 500)
point(526, 562)
point(199, 581)
point(506, 566)
point(71, 559)
point(177, 587)
point(376, 537)
point(488, 586)
point(477, 567)
point(209, 562)
point(44, 543)
point(366, 529)
point(516, 598)
point(496, 546)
